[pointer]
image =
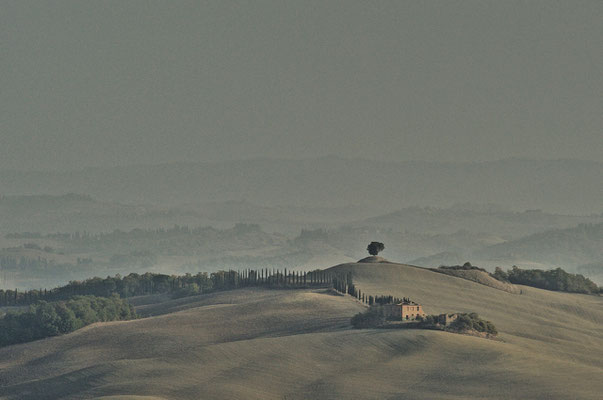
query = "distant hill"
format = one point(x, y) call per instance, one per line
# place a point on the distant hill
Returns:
point(569, 247)
point(577, 249)
point(331, 181)
point(72, 212)
point(443, 258)
point(474, 218)
point(76, 212)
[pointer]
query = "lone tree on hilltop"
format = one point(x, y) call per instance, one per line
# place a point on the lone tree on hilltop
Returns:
point(374, 248)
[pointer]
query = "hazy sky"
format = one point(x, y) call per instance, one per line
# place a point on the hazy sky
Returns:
point(102, 83)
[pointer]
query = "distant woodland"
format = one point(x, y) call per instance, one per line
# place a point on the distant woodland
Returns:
point(95, 242)
point(67, 308)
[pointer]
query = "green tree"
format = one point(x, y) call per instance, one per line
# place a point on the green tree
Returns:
point(375, 248)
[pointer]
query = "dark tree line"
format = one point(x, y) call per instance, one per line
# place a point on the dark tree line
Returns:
point(45, 319)
point(554, 279)
point(344, 283)
point(137, 233)
point(177, 285)
point(465, 267)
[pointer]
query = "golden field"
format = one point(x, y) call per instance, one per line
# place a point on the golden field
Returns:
point(297, 344)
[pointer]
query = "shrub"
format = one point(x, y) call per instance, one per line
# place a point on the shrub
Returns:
point(372, 318)
point(465, 267)
point(429, 322)
point(189, 290)
point(500, 275)
point(472, 321)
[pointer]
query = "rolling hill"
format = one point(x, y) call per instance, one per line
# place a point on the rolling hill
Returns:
point(72, 212)
point(474, 218)
point(297, 344)
point(332, 181)
point(570, 247)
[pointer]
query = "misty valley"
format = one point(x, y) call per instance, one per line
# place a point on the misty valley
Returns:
point(292, 200)
point(430, 237)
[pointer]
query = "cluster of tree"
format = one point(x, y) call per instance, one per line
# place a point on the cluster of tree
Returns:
point(36, 267)
point(372, 318)
point(344, 283)
point(178, 285)
point(25, 263)
point(35, 246)
point(139, 249)
point(555, 279)
point(45, 319)
point(463, 323)
point(472, 321)
point(465, 267)
point(381, 300)
point(117, 235)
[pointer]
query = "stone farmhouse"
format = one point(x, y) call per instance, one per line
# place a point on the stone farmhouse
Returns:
point(405, 311)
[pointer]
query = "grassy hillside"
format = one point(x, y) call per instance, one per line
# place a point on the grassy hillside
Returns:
point(275, 344)
point(563, 331)
point(480, 277)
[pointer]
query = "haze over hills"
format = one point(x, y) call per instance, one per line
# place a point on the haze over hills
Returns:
point(78, 212)
point(476, 218)
point(205, 162)
point(48, 240)
point(556, 247)
point(81, 212)
point(559, 186)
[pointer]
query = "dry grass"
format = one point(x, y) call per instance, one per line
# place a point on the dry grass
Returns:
point(480, 277)
point(277, 344)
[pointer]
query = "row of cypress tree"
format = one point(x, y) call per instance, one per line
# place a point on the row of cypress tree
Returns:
point(343, 283)
point(179, 285)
